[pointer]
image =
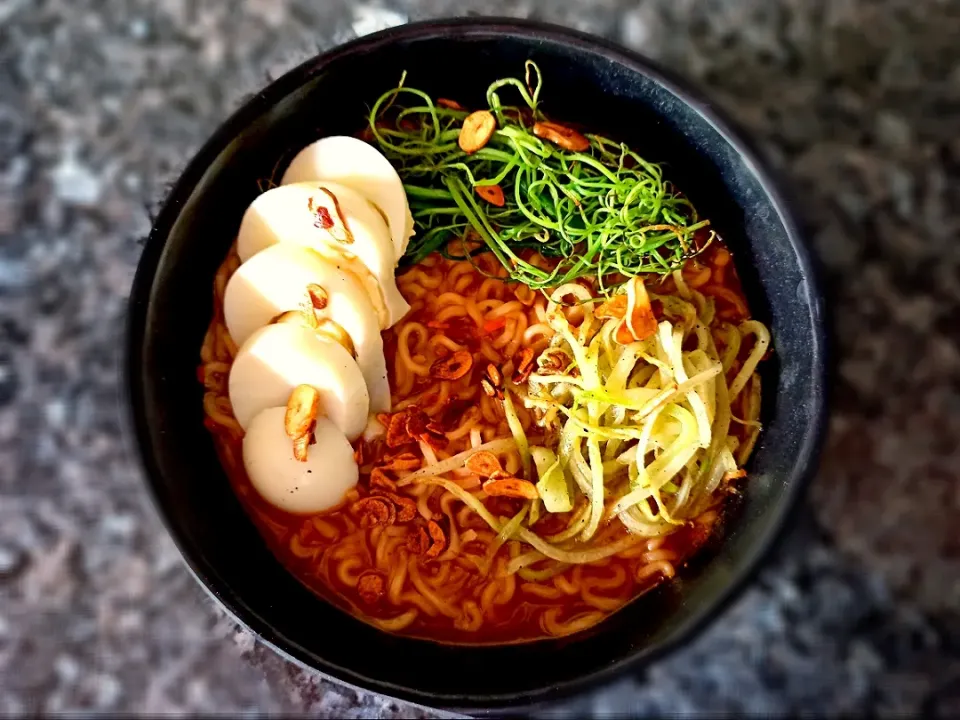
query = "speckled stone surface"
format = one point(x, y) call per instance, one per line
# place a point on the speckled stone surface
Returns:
point(856, 101)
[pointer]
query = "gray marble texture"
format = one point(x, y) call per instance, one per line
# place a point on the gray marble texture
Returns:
point(857, 102)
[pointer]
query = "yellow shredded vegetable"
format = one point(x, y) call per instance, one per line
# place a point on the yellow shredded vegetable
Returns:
point(644, 427)
point(553, 486)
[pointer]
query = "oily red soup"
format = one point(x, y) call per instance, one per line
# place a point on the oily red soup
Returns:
point(417, 555)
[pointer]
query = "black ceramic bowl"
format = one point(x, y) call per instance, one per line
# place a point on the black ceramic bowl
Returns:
point(587, 81)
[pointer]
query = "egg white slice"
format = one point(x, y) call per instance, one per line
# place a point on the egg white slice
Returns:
point(289, 214)
point(275, 281)
point(318, 484)
point(277, 358)
point(359, 165)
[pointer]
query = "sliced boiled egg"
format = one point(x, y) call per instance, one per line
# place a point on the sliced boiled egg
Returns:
point(277, 358)
point(303, 487)
point(301, 214)
point(275, 281)
point(358, 165)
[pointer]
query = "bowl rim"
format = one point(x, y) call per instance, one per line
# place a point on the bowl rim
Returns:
point(137, 424)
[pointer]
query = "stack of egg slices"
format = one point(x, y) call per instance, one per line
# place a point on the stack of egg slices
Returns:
point(315, 287)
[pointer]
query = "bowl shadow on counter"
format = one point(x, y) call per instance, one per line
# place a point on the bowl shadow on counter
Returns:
point(587, 82)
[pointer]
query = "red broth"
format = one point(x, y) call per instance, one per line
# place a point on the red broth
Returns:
point(384, 574)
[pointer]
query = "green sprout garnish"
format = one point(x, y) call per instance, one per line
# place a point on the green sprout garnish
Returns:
point(600, 213)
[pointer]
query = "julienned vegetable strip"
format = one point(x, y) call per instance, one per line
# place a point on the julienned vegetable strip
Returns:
point(603, 213)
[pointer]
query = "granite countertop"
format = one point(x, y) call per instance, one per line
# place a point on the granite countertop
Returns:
point(856, 101)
